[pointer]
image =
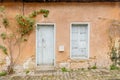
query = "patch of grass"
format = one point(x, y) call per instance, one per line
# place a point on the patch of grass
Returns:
point(3, 73)
point(64, 69)
point(27, 71)
point(82, 69)
point(114, 67)
point(94, 67)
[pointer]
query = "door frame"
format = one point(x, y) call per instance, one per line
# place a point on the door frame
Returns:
point(88, 23)
point(54, 26)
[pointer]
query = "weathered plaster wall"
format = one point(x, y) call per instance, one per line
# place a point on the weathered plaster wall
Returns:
point(63, 14)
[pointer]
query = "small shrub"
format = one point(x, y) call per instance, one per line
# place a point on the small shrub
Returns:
point(94, 67)
point(114, 67)
point(27, 71)
point(64, 69)
point(3, 73)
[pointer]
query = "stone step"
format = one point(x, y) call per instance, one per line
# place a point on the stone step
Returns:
point(43, 69)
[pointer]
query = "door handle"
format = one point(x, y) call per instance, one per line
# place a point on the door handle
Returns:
point(42, 39)
point(44, 43)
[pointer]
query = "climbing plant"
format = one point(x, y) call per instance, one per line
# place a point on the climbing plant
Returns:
point(114, 43)
point(37, 12)
point(26, 24)
point(13, 40)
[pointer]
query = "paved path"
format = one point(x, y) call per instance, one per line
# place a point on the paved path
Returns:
point(102, 74)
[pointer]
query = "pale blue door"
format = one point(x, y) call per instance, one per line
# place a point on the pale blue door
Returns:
point(79, 41)
point(45, 45)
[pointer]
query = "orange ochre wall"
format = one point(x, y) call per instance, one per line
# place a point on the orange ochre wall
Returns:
point(98, 14)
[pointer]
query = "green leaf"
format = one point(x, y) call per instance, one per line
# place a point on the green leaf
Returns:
point(5, 22)
point(4, 49)
point(2, 8)
point(3, 36)
point(45, 15)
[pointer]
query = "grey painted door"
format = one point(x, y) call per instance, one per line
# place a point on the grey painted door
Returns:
point(45, 45)
point(79, 41)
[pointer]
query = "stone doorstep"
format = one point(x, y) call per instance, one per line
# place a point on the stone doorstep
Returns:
point(45, 67)
point(42, 69)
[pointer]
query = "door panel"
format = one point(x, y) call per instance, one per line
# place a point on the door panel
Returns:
point(45, 44)
point(79, 41)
